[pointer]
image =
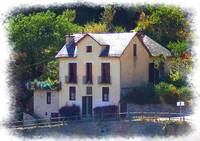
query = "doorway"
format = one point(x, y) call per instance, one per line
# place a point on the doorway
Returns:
point(87, 106)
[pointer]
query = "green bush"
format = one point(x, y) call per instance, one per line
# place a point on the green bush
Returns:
point(161, 93)
point(170, 94)
point(167, 93)
point(185, 94)
point(141, 95)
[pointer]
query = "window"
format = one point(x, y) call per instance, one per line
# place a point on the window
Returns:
point(89, 73)
point(134, 50)
point(72, 93)
point(153, 74)
point(89, 90)
point(105, 94)
point(88, 48)
point(72, 72)
point(48, 97)
point(105, 72)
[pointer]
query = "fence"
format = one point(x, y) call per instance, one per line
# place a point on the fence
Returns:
point(61, 121)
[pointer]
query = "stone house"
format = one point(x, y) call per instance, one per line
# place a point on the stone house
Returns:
point(95, 68)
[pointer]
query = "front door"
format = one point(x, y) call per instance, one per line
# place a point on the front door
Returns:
point(87, 106)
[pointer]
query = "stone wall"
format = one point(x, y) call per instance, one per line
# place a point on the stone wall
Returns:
point(157, 108)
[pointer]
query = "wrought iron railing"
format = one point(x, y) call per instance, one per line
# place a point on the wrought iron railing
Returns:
point(87, 80)
point(104, 79)
point(71, 79)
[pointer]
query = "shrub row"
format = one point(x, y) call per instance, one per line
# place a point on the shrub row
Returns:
point(74, 110)
point(161, 93)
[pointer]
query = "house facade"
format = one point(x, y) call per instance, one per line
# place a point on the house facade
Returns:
point(96, 69)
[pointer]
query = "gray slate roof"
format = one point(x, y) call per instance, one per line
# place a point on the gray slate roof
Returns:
point(115, 42)
point(155, 48)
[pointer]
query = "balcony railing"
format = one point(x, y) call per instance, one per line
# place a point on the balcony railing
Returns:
point(71, 79)
point(43, 85)
point(104, 79)
point(87, 80)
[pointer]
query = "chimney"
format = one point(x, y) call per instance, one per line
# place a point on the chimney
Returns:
point(69, 39)
point(141, 34)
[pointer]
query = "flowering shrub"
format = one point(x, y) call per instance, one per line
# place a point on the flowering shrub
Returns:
point(70, 111)
point(44, 85)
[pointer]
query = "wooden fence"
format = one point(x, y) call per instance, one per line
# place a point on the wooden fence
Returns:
point(61, 121)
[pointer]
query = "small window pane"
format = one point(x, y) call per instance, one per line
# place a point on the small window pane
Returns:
point(105, 94)
point(72, 93)
point(88, 90)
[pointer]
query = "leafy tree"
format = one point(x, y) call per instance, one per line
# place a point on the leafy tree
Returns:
point(119, 29)
point(64, 25)
point(39, 36)
point(179, 68)
point(32, 35)
point(178, 48)
point(51, 71)
point(164, 23)
point(35, 38)
point(95, 27)
point(107, 17)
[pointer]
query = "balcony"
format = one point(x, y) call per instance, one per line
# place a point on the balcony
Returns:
point(71, 79)
point(42, 85)
point(87, 80)
point(104, 79)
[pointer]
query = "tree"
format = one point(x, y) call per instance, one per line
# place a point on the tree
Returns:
point(119, 29)
point(164, 23)
point(64, 25)
point(35, 39)
point(107, 17)
point(40, 35)
point(178, 48)
point(181, 64)
point(32, 35)
point(95, 27)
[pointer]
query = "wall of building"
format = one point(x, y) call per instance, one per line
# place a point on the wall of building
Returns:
point(81, 60)
point(134, 69)
point(40, 103)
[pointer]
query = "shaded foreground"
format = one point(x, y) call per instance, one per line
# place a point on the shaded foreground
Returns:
point(100, 129)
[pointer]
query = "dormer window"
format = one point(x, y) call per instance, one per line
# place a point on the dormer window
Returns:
point(88, 49)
